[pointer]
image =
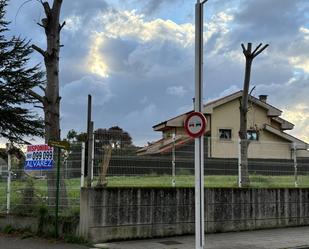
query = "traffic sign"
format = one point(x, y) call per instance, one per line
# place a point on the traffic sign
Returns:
point(39, 157)
point(60, 144)
point(195, 124)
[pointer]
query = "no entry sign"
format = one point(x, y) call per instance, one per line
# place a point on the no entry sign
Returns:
point(195, 124)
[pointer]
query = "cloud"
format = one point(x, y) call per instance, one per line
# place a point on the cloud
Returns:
point(259, 19)
point(140, 123)
point(176, 91)
point(291, 98)
point(151, 7)
point(85, 9)
point(295, 50)
point(74, 100)
point(299, 115)
point(134, 55)
point(131, 25)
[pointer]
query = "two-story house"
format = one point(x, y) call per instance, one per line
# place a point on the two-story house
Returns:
point(266, 130)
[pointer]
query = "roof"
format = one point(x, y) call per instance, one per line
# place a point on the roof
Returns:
point(272, 111)
point(164, 145)
point(301, 145)
point(285, 125)
point(208, 109)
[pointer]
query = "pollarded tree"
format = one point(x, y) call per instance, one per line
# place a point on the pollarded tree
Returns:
point(50, 100)
point(16, 81)
point(244, 142)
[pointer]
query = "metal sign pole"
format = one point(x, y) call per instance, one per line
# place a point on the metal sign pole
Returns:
point(239, 163)
point(9, 169)
point(57, 192)
point(199, 142)
point(174, 161)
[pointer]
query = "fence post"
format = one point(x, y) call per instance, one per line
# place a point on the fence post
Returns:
point(295, 166)
point(82, 167)
point(89, 156)
point(92, 156)
point(239, 163)
point(173, 161)
point(8, 191)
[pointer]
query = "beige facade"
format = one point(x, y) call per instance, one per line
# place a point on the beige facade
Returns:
point(268, 145)
point(265, 127)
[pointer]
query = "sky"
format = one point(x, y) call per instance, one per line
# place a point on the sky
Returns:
point(136, 58)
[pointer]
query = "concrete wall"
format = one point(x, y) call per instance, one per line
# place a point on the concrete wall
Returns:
point(127, 213)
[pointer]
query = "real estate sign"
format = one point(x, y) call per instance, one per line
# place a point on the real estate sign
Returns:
point(39, 157)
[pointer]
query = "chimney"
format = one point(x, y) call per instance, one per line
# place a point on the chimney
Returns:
point(263, 98)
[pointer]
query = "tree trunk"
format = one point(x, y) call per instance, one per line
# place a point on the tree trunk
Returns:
point(244, 143)
point(51, 100)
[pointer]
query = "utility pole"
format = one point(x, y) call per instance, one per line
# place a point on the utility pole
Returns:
point(199, 142)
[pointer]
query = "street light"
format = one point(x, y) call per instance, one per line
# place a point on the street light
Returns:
point(199, 142)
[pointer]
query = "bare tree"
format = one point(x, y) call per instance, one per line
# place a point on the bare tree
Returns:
point(244, 142)
point(51, 99)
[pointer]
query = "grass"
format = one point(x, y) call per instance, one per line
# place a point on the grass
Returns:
point(211, 181)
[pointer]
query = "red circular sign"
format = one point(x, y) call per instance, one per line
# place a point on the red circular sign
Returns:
point(195, 124)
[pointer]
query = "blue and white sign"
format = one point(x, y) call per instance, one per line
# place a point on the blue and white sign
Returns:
point(39, 157)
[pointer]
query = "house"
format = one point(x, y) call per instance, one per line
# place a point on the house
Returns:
point(266, 131)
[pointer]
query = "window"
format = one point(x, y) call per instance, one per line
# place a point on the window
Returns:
point(225, 134)
point(252, 135)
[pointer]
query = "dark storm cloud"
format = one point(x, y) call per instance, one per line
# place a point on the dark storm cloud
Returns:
point(83, 7)
point(269, 19)
point(151, 7)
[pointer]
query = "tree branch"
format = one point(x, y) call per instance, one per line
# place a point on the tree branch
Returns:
point(41, 25)
point(260, 51)
point(61, 26)
point(256, 49)
point(39, 50)
point(47, 8)
point(243, 48)
point(36, 96)
point(38, 106)
point(42, 88)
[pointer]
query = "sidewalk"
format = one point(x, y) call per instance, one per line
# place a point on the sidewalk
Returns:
point(285, 238)
point(12, 242)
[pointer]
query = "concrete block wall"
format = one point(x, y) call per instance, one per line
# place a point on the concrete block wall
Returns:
point(128, 213)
